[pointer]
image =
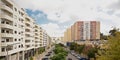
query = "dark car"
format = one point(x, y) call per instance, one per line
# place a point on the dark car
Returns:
point(69, 59)
point(47, 55)
point(50, 52)
point(44, 58)
point(83, 59)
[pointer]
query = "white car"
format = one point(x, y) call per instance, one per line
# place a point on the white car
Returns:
point(78, 56)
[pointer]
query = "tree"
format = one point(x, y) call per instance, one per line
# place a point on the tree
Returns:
point(59, 56)
point(72, 46)
point(60, 52)
point(80, 48)
point(103, 37)
point(112, 32)
point(41, 50)
point(113, 50)
point(31, 58)
point(91, 52)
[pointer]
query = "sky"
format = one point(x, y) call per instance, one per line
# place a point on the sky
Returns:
point(55, 16)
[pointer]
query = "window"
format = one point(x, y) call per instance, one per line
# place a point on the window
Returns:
point(19, 39)
point(19, 46)
point(19, 19)
point(22, 45)
point(3, 31)
point(2, 41)
point(15, 24)
point(7, 22)
point(19, 12)
point(7, 40)
point(2, 22)
point(15, 39)
point(7, 31)
point(15, 9)
point(3, 49)
point(15, 32)
point(19, 33)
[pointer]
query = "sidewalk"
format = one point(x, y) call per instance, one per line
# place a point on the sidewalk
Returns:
point(40, 56)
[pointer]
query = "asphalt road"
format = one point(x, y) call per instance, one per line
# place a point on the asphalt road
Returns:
point(71, 56)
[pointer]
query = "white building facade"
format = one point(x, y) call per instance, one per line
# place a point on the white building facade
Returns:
point(19, 35)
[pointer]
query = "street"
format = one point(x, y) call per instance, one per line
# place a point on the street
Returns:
point(71, 56)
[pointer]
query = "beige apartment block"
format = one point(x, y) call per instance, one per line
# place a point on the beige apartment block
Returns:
point(68, 35)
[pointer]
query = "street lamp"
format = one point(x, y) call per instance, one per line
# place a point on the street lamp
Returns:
point(8, 49)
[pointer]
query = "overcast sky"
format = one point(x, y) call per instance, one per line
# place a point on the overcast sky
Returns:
point(56, 15)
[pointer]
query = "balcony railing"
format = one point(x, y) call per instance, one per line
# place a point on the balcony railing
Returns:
point(5, 7)
point(7, 35)
point(6, 26)
point(5, 16)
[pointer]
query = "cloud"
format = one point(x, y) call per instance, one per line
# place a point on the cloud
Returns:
point(62, 11)
point(115, 5)
point(53, 29)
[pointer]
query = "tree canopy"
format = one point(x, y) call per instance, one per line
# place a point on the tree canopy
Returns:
point(113, 50)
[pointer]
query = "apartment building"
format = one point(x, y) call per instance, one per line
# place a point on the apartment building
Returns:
point(29, 36)
point(68, 35)
point(87, 30)
point(41, 37)
point(49, 41)
point(12, 31)
point(65, 37)
point(82, 31)
point(20, 37)
point(37, 36)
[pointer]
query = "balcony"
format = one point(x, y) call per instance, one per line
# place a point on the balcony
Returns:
point(5, 7)
point(28, 27)
point(27, 21)
point(8, 2)
point(29, 38)
point(7, 26)
point(11, 51)
point(8, 43)
point(28, 33)
point(5, 16)
point(6, 35)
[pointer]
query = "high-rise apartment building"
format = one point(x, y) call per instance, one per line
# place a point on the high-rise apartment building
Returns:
point(37, 35)
point(68, 35)
point(12, 31)
point(20, 37)
point(86, 30)
point(65, 37)
point(83, 31)
point(41, 37)
point(29, 37)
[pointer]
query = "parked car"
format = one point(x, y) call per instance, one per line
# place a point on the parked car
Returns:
point(69, 58)
point(50, 52)
point(73, 53)
point(78, 56)
point(47, 54)
point(83, 59)
point(44, 58)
